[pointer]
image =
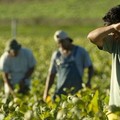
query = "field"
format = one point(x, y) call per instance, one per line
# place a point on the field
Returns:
point(37, 20)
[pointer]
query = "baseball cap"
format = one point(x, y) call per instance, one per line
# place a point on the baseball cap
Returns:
point(60, 35)
point(12, 45)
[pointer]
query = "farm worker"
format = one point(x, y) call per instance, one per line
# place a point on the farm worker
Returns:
point(107, 38)
point(68, 62)
point(17, 65)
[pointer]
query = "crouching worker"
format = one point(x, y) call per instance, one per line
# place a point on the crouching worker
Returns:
point(17, 65)
point(69, 62)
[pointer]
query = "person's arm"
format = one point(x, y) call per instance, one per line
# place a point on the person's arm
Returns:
point(31, 62)
point(49, 83)
point(6, 81)
point(27, 75)
point(97, 36)
point(51, 75)
point(90, 74)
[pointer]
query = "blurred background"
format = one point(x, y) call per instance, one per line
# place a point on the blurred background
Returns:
point(43, 17)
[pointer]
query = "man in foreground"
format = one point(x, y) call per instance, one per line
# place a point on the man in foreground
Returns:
point(107, 38)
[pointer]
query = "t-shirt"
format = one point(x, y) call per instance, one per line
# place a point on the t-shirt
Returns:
point(17, 66)
point(82, 60)
point(113, 47)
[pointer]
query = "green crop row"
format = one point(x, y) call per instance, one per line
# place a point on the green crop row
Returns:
point(86, 104)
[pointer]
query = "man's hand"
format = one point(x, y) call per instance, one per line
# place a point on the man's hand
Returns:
point(11, 90)
point(88, 85)
point(22, 86)
point(116, 27)
point(13, 93)
point(45, 96)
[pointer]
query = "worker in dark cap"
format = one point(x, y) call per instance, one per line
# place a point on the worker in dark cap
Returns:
point(17, 65)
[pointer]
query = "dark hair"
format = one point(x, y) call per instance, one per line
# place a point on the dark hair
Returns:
point(112, 16)
point(12, 45)
point(71, 40)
